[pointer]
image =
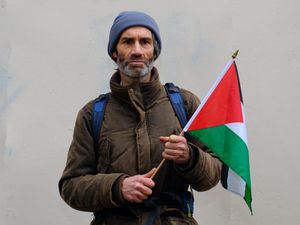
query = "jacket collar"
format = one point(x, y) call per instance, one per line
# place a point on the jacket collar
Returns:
point(143, 94)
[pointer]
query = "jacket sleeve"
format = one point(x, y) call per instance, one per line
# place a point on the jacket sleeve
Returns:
point(81, 186)
point(204, 170)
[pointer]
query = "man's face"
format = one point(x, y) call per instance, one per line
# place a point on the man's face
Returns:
point(135, 52)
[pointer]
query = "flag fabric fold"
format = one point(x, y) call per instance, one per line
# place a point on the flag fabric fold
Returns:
point(219, 123)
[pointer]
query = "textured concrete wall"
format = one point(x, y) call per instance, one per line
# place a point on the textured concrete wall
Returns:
point(53, 60)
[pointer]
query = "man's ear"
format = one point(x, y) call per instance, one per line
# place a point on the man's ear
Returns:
point(114, 54)
point(154, 54)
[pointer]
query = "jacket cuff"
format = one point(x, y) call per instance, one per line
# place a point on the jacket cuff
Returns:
point(117, 196)
point(188, 166)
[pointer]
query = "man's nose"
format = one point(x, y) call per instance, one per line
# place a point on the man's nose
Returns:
point(137, 48)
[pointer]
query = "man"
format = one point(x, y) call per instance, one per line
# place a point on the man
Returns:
point(138, 130)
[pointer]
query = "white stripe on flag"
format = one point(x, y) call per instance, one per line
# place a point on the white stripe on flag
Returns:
point(239, 129)
point(235, 183)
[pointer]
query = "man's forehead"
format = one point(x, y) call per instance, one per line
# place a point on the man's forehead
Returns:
point(137, 31)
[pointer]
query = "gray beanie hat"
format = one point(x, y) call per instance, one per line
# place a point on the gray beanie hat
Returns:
point(131, 19)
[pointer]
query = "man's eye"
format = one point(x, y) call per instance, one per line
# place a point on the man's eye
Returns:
point(127, 41)
point(145, 41)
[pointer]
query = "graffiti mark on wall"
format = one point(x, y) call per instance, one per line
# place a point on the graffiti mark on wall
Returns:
point(6, 99)
point(11, 99)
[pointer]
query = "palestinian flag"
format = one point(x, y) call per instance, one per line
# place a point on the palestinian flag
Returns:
point(219, 123)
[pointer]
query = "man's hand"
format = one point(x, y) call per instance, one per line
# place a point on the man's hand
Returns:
point(137, 188)
point(176, 149)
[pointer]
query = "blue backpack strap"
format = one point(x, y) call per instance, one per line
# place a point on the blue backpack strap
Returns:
point(177, 103)
point(98, 114)
point(181, 113)
point(188, 203)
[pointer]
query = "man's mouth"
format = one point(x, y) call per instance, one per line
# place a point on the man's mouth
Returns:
point(136, 62)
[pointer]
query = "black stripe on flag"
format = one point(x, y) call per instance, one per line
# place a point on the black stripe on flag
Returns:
point(224, 175)
point(238, 77)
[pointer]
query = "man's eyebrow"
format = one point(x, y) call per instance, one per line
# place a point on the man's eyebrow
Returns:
point(150, 38)
point(129, 37)
point(126, 37)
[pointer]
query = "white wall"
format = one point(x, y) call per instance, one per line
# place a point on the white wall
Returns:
point(53, 60)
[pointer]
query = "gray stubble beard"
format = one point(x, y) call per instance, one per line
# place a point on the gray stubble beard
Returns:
point(135, 72)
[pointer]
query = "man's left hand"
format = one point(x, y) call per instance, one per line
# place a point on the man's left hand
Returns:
point(176, 149)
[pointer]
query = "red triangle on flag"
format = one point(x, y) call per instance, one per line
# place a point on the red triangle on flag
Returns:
point(223, 105)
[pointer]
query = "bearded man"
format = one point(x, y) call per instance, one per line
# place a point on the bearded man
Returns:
point(114, 177)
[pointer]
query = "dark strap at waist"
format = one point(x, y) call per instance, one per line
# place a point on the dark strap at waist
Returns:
point(167, 199)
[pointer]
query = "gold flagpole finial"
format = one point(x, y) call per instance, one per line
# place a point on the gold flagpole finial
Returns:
point(234, 55)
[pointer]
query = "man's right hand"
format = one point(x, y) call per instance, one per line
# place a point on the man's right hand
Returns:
point(137, 188)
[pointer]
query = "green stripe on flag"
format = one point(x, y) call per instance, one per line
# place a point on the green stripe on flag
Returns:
point(229, 147)
point(248, 197)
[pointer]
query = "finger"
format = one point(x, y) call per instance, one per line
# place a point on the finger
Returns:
point(147, 182)
point(150, 173)
point(170, 157)
point(141, 188)
point(143, 185)
point(140, 197)
point(147, 178)
point(144, 190)
point(176, 139)
point(137, 197)
point(178, 156)
point(178, 145)
point(164, 139)
point(174, 152)
point(175, 159)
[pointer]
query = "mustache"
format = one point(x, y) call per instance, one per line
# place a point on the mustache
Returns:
point(147, 62)
point(134, 57)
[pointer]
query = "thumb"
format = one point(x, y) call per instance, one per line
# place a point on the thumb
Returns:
point(149, 174)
